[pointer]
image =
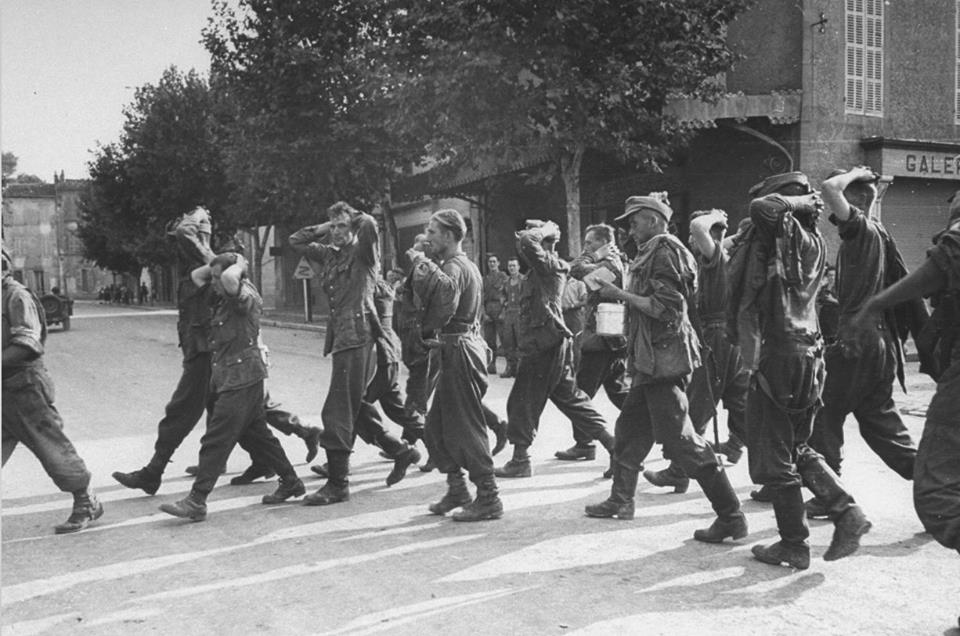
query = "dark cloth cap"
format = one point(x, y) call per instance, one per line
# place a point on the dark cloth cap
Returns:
point(451, 220)
point(637, 203)
point(774, 182)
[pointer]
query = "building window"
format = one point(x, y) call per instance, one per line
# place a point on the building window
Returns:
point(38, 282)
point(864, 66)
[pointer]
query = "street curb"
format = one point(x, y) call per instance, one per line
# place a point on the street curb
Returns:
point(299, 326)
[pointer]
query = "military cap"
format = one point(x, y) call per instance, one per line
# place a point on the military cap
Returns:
point(774, 182)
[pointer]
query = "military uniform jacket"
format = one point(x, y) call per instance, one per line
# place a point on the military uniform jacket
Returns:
point(541, 318)
point(494, 293)
point(347, 276)
point(234, 340)
point(452, 294)
point(193, 303)
point(663, 344)
point(787, 301)
point(23, 324)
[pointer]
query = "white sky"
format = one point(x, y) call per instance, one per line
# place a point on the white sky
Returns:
point(68, 68)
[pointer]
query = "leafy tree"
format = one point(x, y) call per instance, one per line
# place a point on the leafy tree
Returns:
point(9, 165)
point(499, 78)
point(166, 162)
point(306, 127)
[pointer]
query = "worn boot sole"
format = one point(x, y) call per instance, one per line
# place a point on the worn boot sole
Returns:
point(281, 495)
point(658, 478)
point(777, 554)
point(401, 464)
point(723, 529)
point(846, 535)
point(133, 482)
point(473, 514)
point(78, 522)
point(610, 510)
point(177, 510)
point(447, 504)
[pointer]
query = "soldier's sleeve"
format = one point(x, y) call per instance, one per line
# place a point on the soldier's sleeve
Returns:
point(946, 256)
point(530, 243)
point(368, 239)
point(188, 237)
point(583, 265)
point(667, 298)
point(25, 327)
point(244, 302)
point(854, 226)
point(439, 292)
point(304, 242)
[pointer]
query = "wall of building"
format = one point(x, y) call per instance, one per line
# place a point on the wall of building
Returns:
point(769, 37)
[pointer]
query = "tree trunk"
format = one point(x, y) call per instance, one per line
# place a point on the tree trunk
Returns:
point(391, 242)
point(258, 248)
point(570, 162)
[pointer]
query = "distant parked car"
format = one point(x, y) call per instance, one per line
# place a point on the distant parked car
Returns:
point(58, 309)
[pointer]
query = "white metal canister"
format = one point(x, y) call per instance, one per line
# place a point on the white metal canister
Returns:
point(610, 319)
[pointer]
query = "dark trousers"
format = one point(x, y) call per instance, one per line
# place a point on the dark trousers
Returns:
point(184, 409)
point(491, 332)
point(456, 431)
point(385, 389)
point(783, 399)
point(510, 337)
point(547, 375)
point(657, 412)
point(238, 415)
point(421, 380)
point(936, 477)
point(863, 386)
point(31, 419)
point(353, 370)
point(723, 376)
point(601, 368)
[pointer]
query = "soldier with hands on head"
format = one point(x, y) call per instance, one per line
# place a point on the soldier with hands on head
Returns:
point(29, 416)
point(510, 336)
point(777, 323)
point(861, 366)
point(237, 375)
point(189, 400)
point(346, 248)
point(546, 366)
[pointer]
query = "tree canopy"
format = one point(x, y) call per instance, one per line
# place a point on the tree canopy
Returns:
point(166, 162)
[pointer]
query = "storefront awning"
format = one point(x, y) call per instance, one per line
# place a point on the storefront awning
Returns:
point(779, 108)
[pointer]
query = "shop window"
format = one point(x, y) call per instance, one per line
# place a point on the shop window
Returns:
point(863, 27)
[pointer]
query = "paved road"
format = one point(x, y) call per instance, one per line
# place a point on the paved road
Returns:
point(380, 564)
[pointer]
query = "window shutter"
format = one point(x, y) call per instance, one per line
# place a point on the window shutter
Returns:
point(864, 57)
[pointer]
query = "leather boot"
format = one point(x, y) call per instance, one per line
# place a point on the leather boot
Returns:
point(764, 494)
point(337, 488)
point(817, 508)
point(500, 431)
point(457, 495)
point(145, 479)
point(517, 467)
point(86, 509)
point(730, 522)
point(311, 438)
point(401, 463)
point(620, 502)
point(251, 474)
point(825, 485)
point(487, 505)
point(847, 531)
point(607, 441)
point(285, 490)
point(669, 476)
point(322, 470)
point(577, 452)
point(510, 371)
point(732, 449)
point(792, 549)
point(192, 507)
